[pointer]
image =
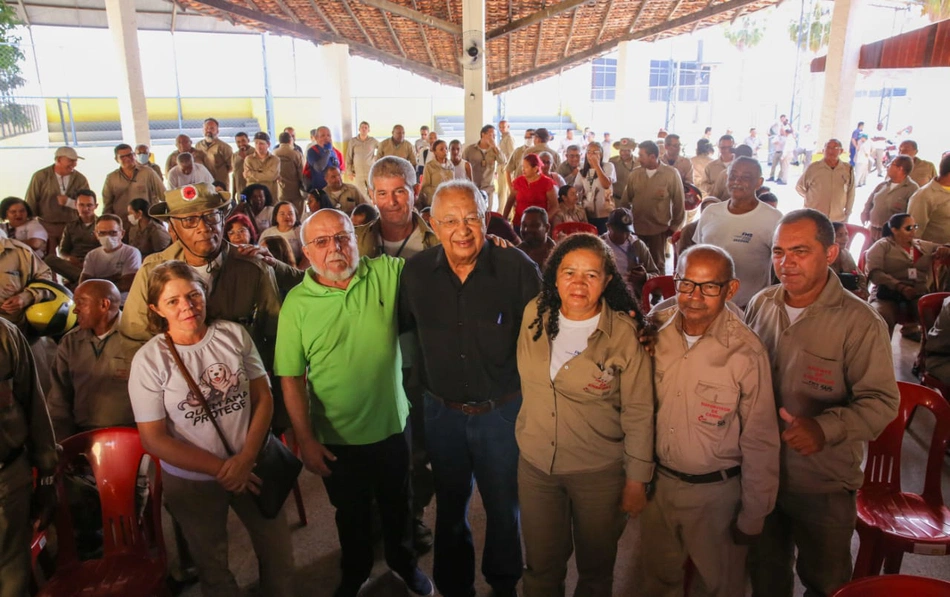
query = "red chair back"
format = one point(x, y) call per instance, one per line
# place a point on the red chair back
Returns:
point(928, 308)
point(891, 585)
point(883, 469)
point(662, 283)
point(855, 230)
point(567, 228)
point(114, 454)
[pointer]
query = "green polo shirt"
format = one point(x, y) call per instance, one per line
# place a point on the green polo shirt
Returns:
point(348, 340)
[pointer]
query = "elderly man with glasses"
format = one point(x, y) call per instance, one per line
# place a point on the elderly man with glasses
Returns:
point(717, 442)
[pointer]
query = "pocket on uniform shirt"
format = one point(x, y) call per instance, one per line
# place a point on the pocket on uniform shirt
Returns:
point(713, 405)
point(820, 378)
point(121, 367)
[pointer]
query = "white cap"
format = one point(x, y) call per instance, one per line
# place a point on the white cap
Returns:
point(67, 152)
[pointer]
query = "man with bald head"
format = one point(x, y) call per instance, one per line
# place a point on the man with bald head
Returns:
point(351, 422)
point(465, 298)
point(717, 444)
point(90, 376)
point(923, 171)
point(183, 145)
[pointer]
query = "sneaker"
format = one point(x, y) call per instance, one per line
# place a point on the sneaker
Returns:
point(421, 537)
point(417, 582)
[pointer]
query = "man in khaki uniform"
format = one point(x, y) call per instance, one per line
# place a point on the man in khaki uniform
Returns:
point(218, 154)
point(718, 166)
point(717, 443)
point(183, 145)
point(654, 194)
point(26, 440)
point(890, 197)
point(923, 171)
point(20, 267)
point(238, 182)
point(342, 195)
point(507, 147)
point(360, 155)
point(79, 238)
point(130, 181)
point(483, 156)
point(833, 377)
point(828, 185)
point(290, 182)
point(930, 206)
point(397, 146)
point(52, 194)
point(513, 167)
point(541, 138)
point(143, 156)
point(672, 157)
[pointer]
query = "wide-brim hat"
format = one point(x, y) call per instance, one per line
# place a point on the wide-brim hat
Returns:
point(190, 199)
point(625, 143)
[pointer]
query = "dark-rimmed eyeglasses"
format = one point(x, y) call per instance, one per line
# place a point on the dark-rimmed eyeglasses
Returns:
point(684, 286)
point(322, 242)
point(190, 222)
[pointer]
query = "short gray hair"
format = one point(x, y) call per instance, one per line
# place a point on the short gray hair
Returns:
point(184, 157)
point(728, 265)
point(464, 186)
point(392, 167)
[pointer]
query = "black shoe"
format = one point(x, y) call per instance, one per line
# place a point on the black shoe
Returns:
point(421, 537)
point(770, 179)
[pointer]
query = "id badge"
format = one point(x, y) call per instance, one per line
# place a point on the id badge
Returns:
point(912, 273)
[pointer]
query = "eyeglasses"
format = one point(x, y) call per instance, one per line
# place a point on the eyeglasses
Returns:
point(453, 223)
point(725, 148)
point(122, 156)
point(211, 219)
point(112, 233)
point(912, 227)
point(684, 286)
point(322, 242)
point(237, 230)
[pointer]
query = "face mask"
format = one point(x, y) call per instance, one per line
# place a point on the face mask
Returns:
point(110, 243)
point(142, 158)
point(134, 220)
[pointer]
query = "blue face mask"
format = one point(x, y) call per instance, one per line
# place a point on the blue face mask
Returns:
point(142, 158)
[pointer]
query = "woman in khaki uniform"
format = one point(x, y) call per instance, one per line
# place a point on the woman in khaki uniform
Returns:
point(437, 170)
point(262, 167)
point(585, 429)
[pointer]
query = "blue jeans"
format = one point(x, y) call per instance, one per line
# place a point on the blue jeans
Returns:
point(480, 448)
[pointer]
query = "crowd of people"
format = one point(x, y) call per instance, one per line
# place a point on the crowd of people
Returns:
point(502, 347)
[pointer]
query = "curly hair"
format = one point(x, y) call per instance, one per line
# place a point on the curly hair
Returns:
point(615, 295)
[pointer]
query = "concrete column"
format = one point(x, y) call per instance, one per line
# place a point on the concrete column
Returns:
point(339, 107)
point(841, 73)
point(633, 70)
point(477, 105)
point(133, 112)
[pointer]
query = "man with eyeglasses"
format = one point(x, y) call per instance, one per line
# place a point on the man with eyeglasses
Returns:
point(114, 261)
point(743, 226)
point(351, 422)
point(717, 444)
point(717, 166)
point(131, 180)
point(833, 377)
point(465, 299)
point(828, 185)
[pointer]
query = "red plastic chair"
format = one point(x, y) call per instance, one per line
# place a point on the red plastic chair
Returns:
point(662, 283)
point(567, 228)
point(133, 561)
point(891, 522)
point(855, 230)
point(928, 308)
point(893, 585)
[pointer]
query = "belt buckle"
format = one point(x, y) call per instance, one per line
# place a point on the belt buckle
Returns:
point(471, 408)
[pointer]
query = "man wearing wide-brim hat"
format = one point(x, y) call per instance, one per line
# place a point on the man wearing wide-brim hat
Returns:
point(242, 289)
point(624, 163)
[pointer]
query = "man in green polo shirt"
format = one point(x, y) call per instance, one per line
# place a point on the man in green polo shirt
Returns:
point(350, 421)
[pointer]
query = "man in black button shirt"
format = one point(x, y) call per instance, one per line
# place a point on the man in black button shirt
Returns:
point(465, 299)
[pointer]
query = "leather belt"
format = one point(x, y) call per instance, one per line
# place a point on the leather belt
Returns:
point(713, 477)
point(11, 457)
point(477, 408)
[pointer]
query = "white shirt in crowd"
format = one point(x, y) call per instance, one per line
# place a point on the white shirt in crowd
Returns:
point(123, 261)
point(178, 179)
point(571, 340)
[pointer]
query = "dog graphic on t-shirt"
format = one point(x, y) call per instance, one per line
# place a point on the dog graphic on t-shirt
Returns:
point(215, 383)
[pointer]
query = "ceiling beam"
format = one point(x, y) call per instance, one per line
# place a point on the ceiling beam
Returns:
point(26, 15)
point(392, 32)
point(323, 16)
point(534, 18)
point(570, 34)
point(603, 23)
point(675, 8)
point(415, 15)
point(537, 44)
point(283, 6)
point(320, 37)
point(696, 26)
point(425, 41)
point(636, 17)
point(603, 48)
point(359, 25)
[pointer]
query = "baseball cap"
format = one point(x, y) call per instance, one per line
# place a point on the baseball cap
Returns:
point(620, 218)
point(67, 152)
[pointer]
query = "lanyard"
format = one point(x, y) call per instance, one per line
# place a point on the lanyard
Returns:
point(382, 247)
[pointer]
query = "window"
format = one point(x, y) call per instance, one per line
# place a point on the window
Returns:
point(660, 80)
point(603, 80)
point(691, 81)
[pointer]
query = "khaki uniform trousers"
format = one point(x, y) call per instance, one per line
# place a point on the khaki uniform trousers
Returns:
point(820, 525)
point(361, 182)
point(16, 529)
point(561, 514)
point(201, 508)
point(686, 520)
point(657, 245)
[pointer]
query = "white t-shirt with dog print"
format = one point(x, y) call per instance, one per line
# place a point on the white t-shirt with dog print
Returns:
point(221, 364)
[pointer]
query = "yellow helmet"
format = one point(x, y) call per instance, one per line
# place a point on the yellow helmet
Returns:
point(52, 317)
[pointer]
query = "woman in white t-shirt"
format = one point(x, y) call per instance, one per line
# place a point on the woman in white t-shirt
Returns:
point(585, 429)
point(22, 226)
point(201, 482)
point(594, 184)
point(286, 223)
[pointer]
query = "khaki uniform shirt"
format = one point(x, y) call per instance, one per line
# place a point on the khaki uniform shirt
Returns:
point(90, 382)
point(887, 264)
point(930, 207)
point(238, 182)
point(507, 144)
point(404, 150)
point(833, 364)
point(513, 166)
point(433, 175)
point(541, 148)
point(78, 239)
point(623, 174)
point(885, 202)
point(20, 266)
point(715, 409)
point(156, 169)
point(361, 154)
point(152, 239)
point(41, 195)
point(346, 199)
point(290, 181)
point(369, 238)
point(24, 420)
point(657, 203)
point(597, 412)
point(262, 171)
point(711, 173)
point(829, 190)
point(682, 165)
point(217, 158)
point(720, 188)
point(699, 163)
point(200, 158)
point(923, 172)
point(119, 190)
point(483, 164)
